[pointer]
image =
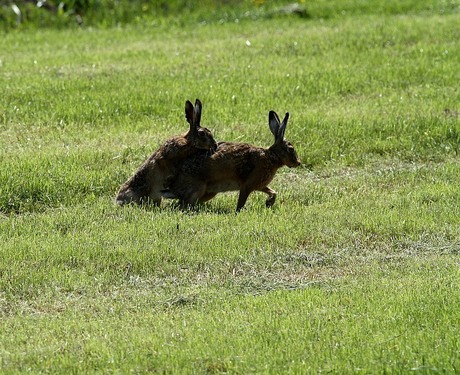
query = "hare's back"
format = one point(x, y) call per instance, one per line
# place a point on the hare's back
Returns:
point(226, 155)
point(232, 164)
point(232, 152)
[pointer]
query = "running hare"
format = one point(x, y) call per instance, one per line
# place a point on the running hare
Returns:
point(148, 181)
point(234, 166)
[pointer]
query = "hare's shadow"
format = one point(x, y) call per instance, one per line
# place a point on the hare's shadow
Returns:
point(195, 209)
point(199, 208)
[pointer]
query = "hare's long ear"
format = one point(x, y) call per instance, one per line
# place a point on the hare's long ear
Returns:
point(280, 136)
point(274, 123)
point(198, 107)
point(189, 113)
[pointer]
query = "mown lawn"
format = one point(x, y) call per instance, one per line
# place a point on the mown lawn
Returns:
point(354, 270)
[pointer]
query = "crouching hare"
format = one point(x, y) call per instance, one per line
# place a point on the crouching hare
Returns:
point(148, 181)
point(233, 167)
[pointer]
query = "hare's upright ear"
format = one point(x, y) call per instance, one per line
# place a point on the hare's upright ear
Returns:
point(274, 123)
point(280, 136)
point(189, 113)
point(198, 107)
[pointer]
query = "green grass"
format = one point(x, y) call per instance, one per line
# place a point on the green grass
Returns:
point(365, 324)
point(355, 268)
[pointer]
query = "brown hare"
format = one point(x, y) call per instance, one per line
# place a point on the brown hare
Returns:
point(148, 181)
point(234, 166)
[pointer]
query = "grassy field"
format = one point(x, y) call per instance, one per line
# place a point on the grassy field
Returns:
point(355, 269)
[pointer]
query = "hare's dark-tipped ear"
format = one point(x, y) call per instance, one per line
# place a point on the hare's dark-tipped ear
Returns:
point(273, 123)
point(282, 129)
point(198, 108)
point(189, 112)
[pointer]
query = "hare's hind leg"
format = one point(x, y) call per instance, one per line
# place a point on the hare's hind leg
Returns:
point(207, 196)
point(271, 196)
point(193, 195)
point(154, 196)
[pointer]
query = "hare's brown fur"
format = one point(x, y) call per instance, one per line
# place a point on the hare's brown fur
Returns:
point(234, 166)
point(148, 181)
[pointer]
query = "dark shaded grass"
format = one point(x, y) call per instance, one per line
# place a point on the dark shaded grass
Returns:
point(104, 13)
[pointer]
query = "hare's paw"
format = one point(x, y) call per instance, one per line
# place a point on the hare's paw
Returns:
point(270, 200)
point(271, 196)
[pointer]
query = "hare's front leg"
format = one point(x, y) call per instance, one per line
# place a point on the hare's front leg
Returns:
point(242, 198)
point(271, 196)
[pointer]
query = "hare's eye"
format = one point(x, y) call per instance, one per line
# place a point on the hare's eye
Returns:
point(201, 134)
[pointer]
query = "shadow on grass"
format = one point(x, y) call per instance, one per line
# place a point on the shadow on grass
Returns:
point(173, 205)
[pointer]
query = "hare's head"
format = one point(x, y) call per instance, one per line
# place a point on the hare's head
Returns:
point(284, 149)
point(197, 136)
